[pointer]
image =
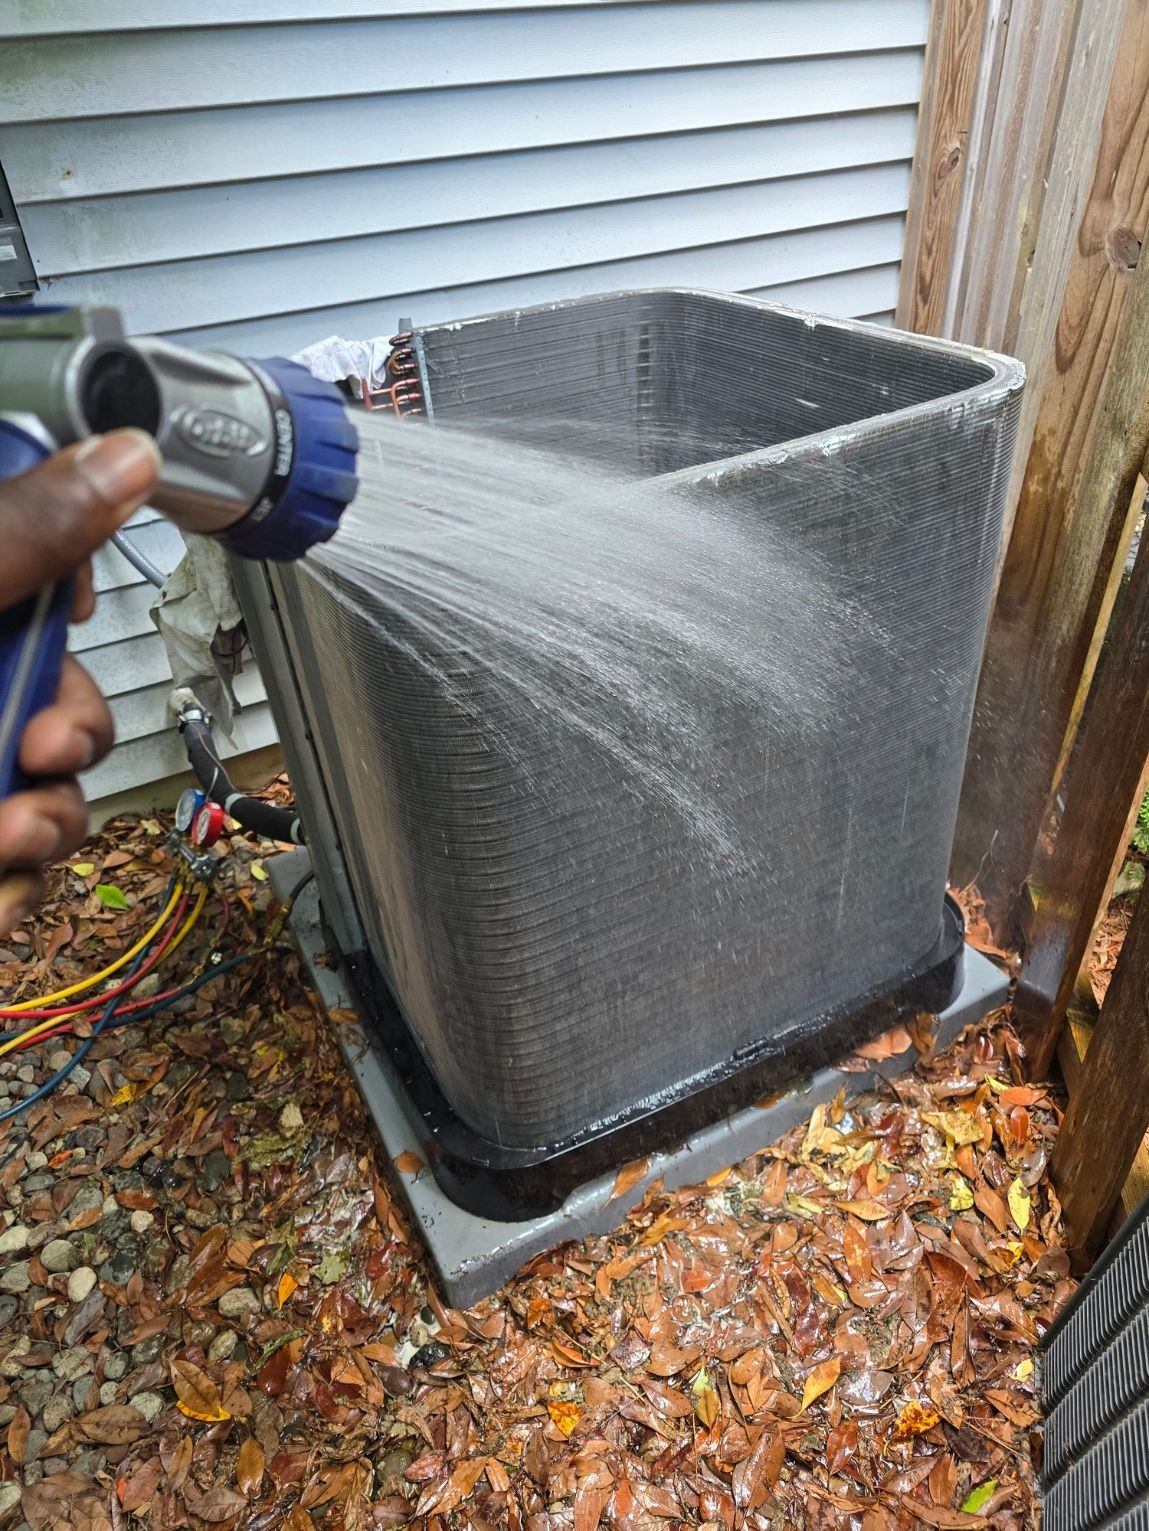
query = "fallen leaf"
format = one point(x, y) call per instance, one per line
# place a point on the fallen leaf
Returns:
point(110, 896)
point(958, 1127)
point(197, 1396)
point(976, 1497)
point(19, 1428)
point(1019, 1205)
point(889, 1045)
point(660, 1228)
point(914, 1419)
point(249, 1467)
point(961, 1196)
point(868, 1210)
point(409, 1163)
point(756, 1475)
point(332, 1267)
point(118, 1424)
point(564, 1415)
point(125, 1095)
point(820, 1381)
point(628, 1177)
point(706, 1404)
point(569, 1355)
point(136, 1491)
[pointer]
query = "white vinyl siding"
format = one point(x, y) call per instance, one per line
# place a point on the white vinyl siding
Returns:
point(262, 173)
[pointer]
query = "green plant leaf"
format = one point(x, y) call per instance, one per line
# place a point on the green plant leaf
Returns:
point(110, 896)
point(976, 1497)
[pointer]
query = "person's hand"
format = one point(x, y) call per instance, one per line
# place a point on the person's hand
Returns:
point(51, 521)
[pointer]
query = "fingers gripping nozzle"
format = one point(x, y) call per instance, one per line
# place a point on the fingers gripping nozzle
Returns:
point(257, 453)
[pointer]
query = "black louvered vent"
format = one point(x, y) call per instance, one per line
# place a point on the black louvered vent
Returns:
point(1095, 1393)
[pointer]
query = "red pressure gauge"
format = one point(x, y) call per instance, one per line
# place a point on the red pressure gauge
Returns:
point(207, 826)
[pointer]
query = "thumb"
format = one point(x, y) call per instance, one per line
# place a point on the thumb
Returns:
point(55, 516)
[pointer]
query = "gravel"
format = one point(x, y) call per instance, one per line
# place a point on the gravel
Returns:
point(80, 1283)
point(149, 1404)
point(13, 1239)
point(16, 1278)
point(58, 1256)
point(238, 1302)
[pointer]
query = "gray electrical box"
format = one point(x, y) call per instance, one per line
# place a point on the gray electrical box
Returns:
point(17, 277)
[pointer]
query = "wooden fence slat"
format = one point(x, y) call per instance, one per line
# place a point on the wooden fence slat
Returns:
point(1100, 791)
point(953, 69)
point(1009, 169)
point(1109, 1112)
point(1088, 444)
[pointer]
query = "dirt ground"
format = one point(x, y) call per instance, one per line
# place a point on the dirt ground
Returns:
point(213, 1313)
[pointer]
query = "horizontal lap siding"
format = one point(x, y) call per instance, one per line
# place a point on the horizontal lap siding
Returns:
point(264, 173)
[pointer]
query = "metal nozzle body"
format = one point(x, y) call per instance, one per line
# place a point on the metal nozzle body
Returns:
point(213, 416)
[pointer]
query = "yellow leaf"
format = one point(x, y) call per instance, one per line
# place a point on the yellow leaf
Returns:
point(287, 1285)
point(1019, 1205)
point(706, 1403)
point(125, 1095)
point(259, 871)
point(208, 1419)
point(961, 1197)
point(802, 1206)
point(564, 1416)
point(958, 1127)
point(820, 1381)
point(83, 868)
point(1023, 1371)
point(914, 1420)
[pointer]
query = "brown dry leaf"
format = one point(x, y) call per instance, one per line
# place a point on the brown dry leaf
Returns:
point(409, 1163)
point(991, 1205)
point(180, 1463)
point(118, 1424)
point(755, 1476)
point(589, 1504)
point(820, 1381)
point(569, 1355)
point(19, 1428)
point(628, 1177)
point(447, 1496)
point(705, 1396)
point(666, 1359)
point(868, 1210)
point(196, 1394)
point(137, 1491)
point(249, 1467)
point(658, 1230)
point(891, 1044)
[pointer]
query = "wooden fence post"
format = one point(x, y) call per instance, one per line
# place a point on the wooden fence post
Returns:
point(953, 70)
point(1074, 501)
point(1100, 790)
point(1109, 1111)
